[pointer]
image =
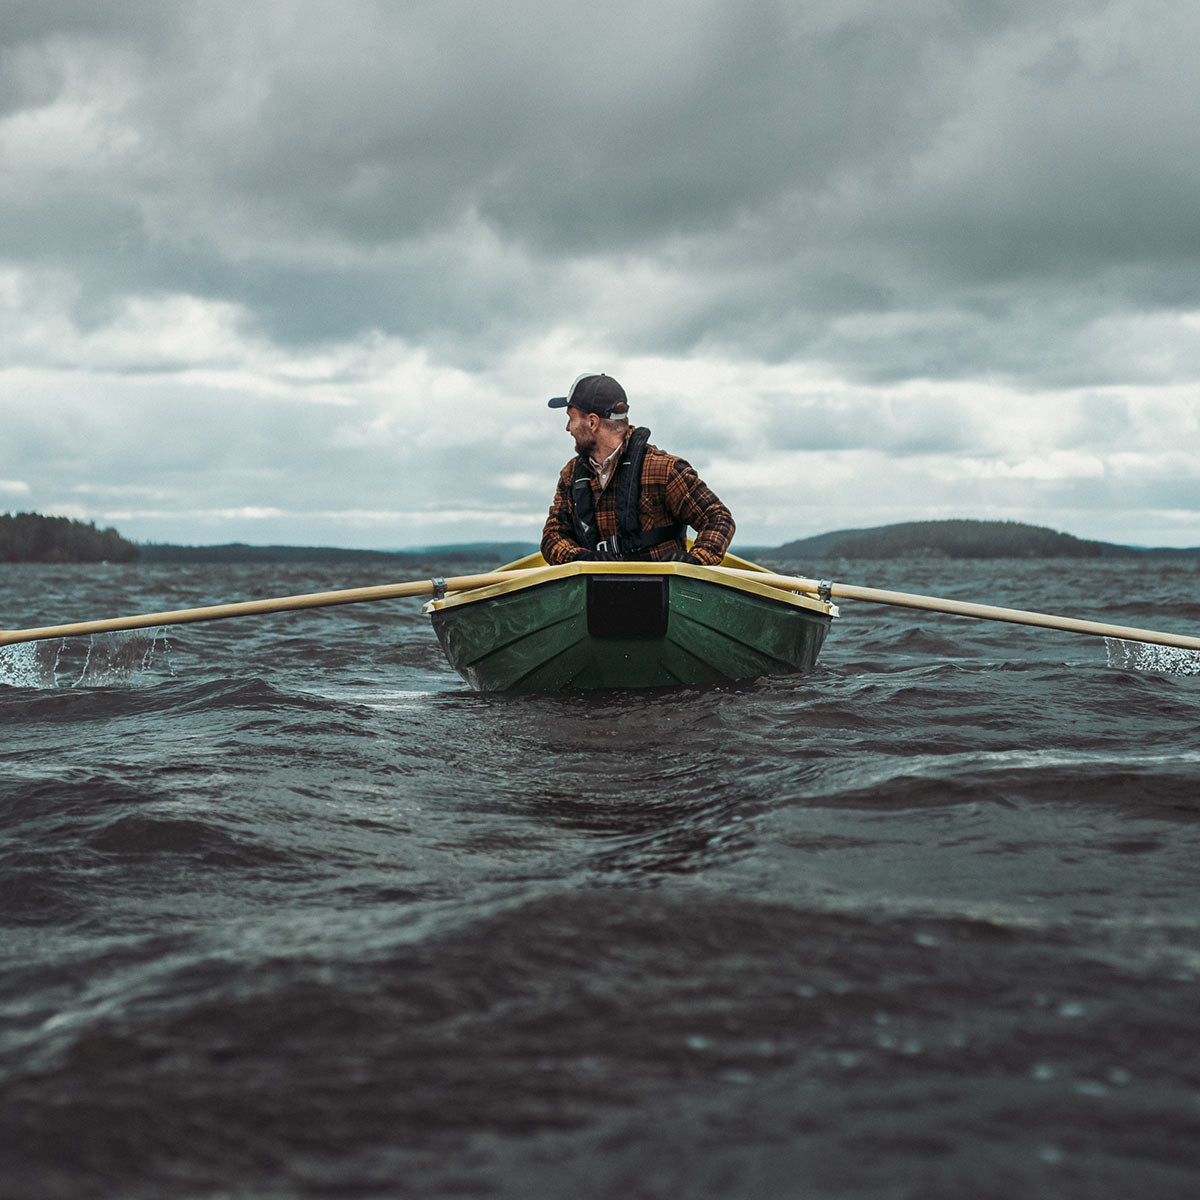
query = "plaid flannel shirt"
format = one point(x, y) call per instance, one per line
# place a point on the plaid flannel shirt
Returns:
point(671, 492)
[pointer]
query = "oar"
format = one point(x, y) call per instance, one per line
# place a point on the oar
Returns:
point(245, 608)
point(987, 612)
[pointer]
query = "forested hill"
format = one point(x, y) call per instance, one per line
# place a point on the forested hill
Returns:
point(961, 539)
point(30, 537)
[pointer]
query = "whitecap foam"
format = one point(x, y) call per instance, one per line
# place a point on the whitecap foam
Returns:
point(384, 700)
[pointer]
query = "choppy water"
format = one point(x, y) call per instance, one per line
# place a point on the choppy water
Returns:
point(286, 910)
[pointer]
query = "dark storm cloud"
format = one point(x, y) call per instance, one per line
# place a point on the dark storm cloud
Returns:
point(789, 165)
point(568, 128)
point(34, 22)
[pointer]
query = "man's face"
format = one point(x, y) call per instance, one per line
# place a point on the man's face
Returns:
point(583, 428)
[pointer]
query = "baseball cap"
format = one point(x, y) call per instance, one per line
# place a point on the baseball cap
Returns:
point(599, 394)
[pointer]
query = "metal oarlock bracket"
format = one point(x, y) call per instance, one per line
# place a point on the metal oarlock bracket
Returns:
point(439, 588)
point(824, 590)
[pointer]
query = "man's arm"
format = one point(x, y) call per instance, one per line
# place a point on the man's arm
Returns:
point(558, 534)
point(693, 501)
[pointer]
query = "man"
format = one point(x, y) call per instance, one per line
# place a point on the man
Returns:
point(620, 497)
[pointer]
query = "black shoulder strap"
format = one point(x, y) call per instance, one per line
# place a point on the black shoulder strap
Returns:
point(629, 484)
point(583, 506)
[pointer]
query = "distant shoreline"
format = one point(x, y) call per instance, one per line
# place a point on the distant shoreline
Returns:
point(238, 552)
point(31, 538)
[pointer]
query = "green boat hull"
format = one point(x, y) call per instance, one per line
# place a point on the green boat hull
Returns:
point(626, 631)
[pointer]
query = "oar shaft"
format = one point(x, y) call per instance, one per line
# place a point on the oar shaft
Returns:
point(245, 608)
point(987, 612)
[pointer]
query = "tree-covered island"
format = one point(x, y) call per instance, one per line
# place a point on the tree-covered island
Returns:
point(30, 537)
point(963, 538)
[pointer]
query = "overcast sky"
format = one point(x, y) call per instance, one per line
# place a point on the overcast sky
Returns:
point(307, 272)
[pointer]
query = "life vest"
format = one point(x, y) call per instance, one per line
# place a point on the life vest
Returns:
point(631, 541)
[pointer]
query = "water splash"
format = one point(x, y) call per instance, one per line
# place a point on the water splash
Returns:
point(114, 659)
point(109, 660)
point(30, 664)
point(1145, 656)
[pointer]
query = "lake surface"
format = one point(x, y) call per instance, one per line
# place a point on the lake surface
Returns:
point(287, 911)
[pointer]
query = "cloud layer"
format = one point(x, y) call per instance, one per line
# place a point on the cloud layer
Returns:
point(307, 271)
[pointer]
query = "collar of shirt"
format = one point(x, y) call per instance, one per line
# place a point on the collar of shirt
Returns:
point(604, 471)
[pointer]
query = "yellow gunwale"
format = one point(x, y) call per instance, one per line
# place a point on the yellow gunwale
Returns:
point(533, 575)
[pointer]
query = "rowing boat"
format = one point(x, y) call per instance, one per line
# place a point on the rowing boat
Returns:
point(627, 625)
